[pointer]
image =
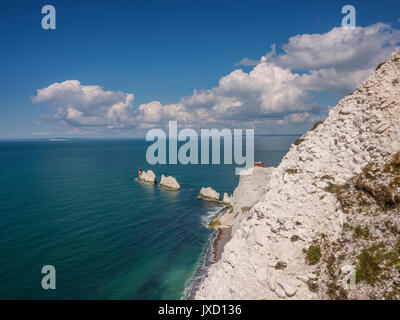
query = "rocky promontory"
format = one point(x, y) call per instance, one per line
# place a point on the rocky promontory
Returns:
point(169, 183)
point(325, 223)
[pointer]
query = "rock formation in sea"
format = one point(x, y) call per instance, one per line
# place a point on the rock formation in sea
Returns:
point(148, 177)
point(326, 223)
point(208, 194)
point(169, 183)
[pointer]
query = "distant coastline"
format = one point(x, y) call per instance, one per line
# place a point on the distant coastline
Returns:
point(120, 138)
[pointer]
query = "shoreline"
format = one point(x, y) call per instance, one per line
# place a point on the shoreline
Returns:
point(224, 234)
point(213, 253)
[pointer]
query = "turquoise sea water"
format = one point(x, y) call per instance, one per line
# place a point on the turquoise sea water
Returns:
point(75, 205)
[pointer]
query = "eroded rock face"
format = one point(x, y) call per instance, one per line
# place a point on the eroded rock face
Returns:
point(169, 183)
point(227, 200)
point(148, 176)
point(249, 191)
point(299, 197)
point(209, 194)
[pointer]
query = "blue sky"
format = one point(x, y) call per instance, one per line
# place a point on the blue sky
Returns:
point(156, 50)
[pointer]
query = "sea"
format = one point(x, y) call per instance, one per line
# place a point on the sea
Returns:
point(74, 204)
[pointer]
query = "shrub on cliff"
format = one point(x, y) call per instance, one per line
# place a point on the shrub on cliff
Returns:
point(298, 141)
point(313, 254)
point(379, 66)
point(316, 125)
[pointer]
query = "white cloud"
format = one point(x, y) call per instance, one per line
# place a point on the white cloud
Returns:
point(341, 82)
point(339, 59)
point(247, 62)
point(342, 49)
point(83, 105)
point(273, 92)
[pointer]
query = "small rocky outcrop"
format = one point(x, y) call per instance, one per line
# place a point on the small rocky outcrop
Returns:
point(208, 194)
point(227, 200)
point(148, 177)
point(169, 183)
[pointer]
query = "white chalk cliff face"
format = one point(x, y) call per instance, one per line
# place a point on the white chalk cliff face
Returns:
point(148, 176)
point(169, 182)
point(249, 191)
point(265, 258)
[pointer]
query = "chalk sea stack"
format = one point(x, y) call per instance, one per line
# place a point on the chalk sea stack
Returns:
point(148, 177)
point(331, 206)
point(208, 194)
point(227, 200)
point(169, 183)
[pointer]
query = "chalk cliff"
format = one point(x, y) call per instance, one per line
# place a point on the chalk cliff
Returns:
point(299, 235)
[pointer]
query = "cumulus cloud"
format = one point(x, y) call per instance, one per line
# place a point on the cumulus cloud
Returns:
point(277, 90)
point(339, 59)
point(341, 48)
point(83, 105)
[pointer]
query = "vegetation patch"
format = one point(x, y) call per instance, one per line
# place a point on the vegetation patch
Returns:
point(215, 223)
point(299, 141)
point(168, 188)
point(292, 171)
point(332, 188)
point(393, 166)
point(207, 198)
point(316, 125)
point(378, 184)
point(383, 194)
point(375, 262)
point(370, 238)
point(368, 268)
point(313, 254)
point(227, 205)
point(362, 233)
point(379, 66)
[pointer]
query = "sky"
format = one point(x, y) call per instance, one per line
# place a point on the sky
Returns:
point(115, 69)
